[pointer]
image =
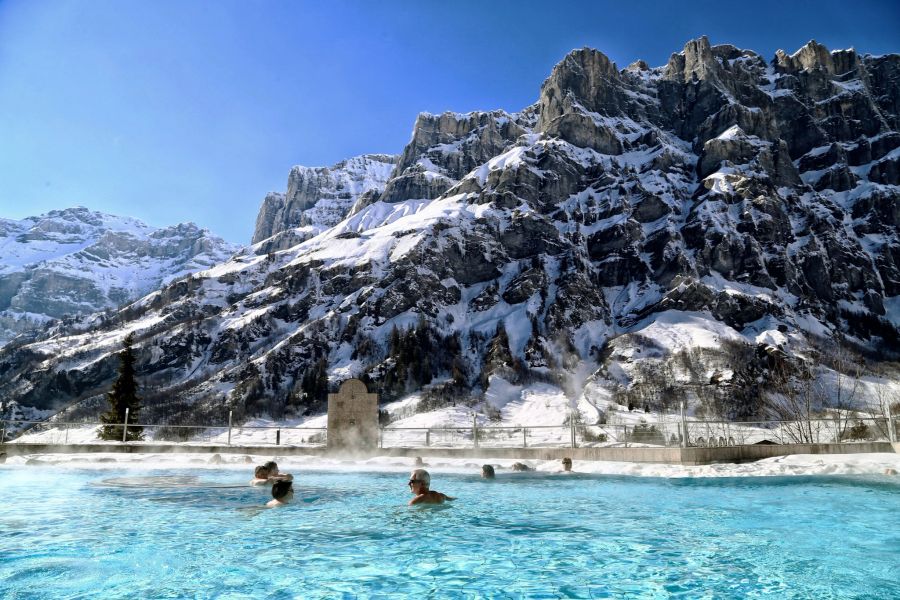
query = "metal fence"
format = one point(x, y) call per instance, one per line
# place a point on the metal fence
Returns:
point(663, 431)
point(53, 432)
point(547, 436)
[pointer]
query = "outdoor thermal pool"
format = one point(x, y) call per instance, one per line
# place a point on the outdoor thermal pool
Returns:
point(66, 534)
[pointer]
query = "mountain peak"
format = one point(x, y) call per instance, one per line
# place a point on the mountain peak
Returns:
point(815, 56)
point(696, 62)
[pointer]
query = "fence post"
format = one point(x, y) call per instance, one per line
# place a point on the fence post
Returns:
point(2, 431)
point(684, 429)
point(892, 435)
point(428, 437)
point(625, 435)
point(475, 430)
point(277, 437)
point(524, 437)
point(66, 440)
point(229, 427)
point(125, 428)
point(572, 429)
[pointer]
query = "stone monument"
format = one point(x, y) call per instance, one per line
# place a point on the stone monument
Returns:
point(353, 417)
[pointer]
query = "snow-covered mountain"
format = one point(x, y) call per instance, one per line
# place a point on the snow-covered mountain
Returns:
point(75, 261)
point(699, 228)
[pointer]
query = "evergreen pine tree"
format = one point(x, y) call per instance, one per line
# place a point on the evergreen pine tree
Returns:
point(394, 344)
point(123, 395)
point(499, 359)
point(322, 378)
point(458, 374)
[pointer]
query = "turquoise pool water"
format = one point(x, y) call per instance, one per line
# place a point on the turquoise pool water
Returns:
point(350, 534)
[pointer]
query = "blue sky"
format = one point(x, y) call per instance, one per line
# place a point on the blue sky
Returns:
point(175, 111)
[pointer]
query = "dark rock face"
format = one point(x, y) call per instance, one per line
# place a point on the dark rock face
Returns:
point(758, 194)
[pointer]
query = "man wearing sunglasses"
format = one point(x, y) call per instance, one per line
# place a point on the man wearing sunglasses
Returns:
point(419, 480)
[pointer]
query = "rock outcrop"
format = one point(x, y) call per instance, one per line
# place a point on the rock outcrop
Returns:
point(320, 197)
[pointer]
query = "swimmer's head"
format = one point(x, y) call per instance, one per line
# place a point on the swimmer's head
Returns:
point(419, 477)
point(272, 466)
point(487, 471)
point(418, 462)
point(283, 490)
point(567, 464)
point(261, 472)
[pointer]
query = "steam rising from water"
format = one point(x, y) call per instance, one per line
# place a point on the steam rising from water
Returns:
point(165, 482)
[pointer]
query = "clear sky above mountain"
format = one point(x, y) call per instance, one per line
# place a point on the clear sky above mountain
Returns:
point(174, 111)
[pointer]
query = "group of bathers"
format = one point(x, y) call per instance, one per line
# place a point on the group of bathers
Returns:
point(419, 482)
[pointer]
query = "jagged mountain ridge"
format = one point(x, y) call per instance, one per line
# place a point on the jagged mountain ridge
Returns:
point(318, 198)
point(75, 261)
point(757, 197)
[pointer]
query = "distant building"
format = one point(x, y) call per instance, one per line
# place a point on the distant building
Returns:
point(353, 417)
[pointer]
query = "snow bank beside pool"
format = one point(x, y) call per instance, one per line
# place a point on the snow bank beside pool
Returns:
point(798, 464)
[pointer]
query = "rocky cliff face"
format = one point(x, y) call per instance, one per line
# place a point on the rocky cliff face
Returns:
point(75, 262)
point(446, 147)
point(319, 197)
point(627, 214)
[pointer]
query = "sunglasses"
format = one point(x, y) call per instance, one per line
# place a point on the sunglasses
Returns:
point(412, 481)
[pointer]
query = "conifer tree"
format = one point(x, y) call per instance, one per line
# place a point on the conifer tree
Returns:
point(123, 395)
point(499, 359)
point(315, 382)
